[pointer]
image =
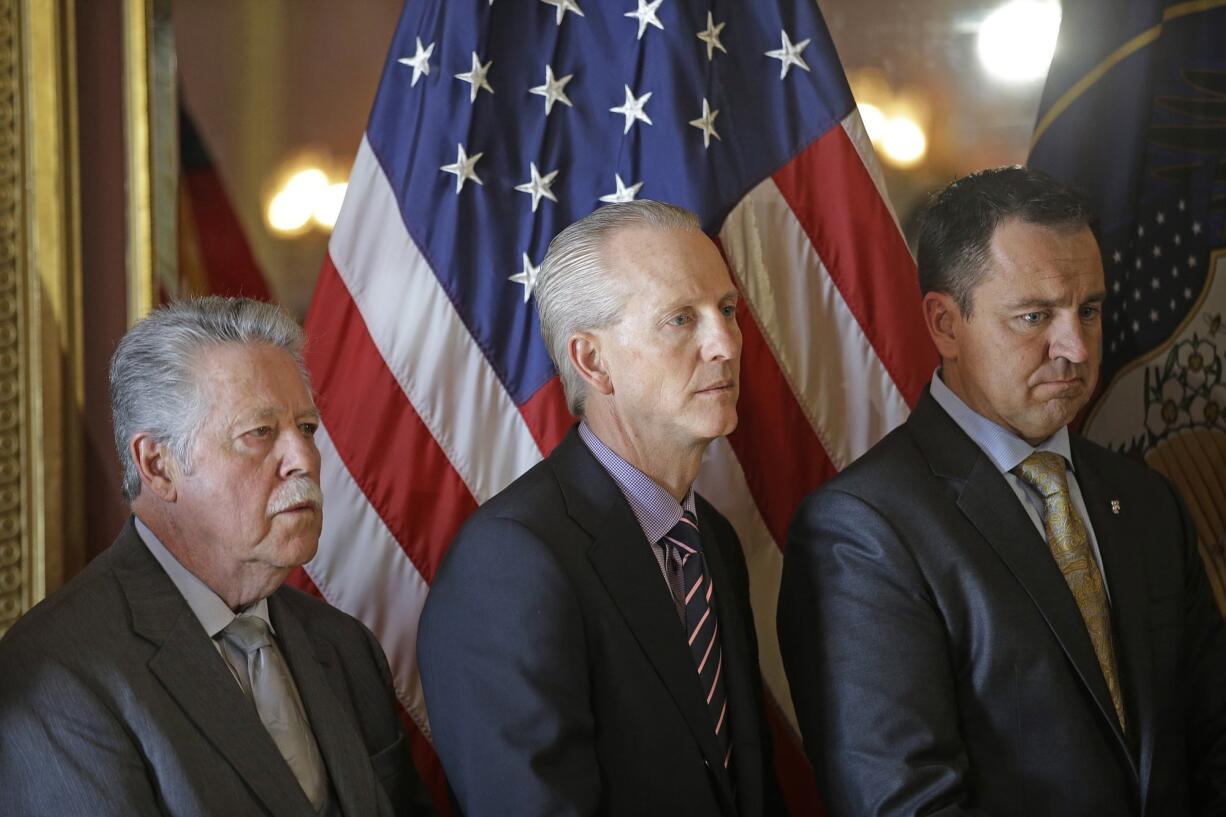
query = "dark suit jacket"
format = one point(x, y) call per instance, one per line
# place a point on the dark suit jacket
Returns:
point(113, 700)
point(557, 675)
point(940, 666)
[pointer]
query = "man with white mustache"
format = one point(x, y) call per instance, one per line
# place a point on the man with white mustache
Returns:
point(989, 614)
point(175, 675)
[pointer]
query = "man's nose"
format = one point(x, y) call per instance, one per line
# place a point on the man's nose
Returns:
point(723, 338)
point(299, 454)
point(1072, 340)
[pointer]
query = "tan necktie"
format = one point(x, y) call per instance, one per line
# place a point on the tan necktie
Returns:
point(264, 676)
point(1070, 547)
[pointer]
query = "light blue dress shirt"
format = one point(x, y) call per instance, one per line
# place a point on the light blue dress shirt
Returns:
point(1006, 450)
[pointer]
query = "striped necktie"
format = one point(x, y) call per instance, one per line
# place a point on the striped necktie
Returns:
point(701, 626)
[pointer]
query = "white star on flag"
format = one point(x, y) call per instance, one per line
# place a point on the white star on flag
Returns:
point(463, 168)
point(527, 277)
point(623, 194)
point(538, 186)
point(646, 14)
point(476, 78)
point(632, 109)
point(711, 37)
point(419, 62)
point(706, 123)
point(789, 55)
point(552, 90)
point(564, 6)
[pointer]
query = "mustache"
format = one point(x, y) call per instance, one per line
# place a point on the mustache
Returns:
point(298, 491)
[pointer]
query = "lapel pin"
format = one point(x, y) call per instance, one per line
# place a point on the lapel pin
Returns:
point(1115, 507)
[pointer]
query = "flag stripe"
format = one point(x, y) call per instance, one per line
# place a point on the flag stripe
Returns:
point(369, 576)
point(417, 331)
point(546, 414)
point(876, 277)
point(722, 481)
point(377, 433)
point(853, 124)
point(822, 350)
point(782, 458)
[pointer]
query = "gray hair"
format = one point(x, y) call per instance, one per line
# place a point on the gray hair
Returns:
point(154, 386)
point(574, 290)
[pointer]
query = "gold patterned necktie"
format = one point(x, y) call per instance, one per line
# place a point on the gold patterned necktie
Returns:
point(1070, 547)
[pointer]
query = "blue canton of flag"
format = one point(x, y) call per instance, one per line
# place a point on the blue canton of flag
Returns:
point(499, 124)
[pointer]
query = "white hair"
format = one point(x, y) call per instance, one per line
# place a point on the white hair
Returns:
point(154, 383)
point(574, 290)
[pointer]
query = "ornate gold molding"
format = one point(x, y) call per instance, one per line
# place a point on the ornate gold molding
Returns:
point(152, 146)
point(13, 566)
point(41, 387)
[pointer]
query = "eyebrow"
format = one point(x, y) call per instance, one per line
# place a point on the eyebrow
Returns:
point(1048, 303)
point(731, 295)
point(267, 412)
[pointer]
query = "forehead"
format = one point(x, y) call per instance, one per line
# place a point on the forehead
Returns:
point(251, 377)
point(1030, 259)
point(655, 264)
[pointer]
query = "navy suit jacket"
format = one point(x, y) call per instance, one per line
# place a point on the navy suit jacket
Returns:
point(114, 701)
point(940, 666)
point(557, 676)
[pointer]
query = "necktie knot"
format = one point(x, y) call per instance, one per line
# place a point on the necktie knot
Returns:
point(684, 536)
point(1044, 470)
point(248, 633)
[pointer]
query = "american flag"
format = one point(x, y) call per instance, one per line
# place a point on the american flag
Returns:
point(497, 124)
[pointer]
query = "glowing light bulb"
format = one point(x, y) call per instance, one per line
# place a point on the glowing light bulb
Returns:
point(290, 210)
point(1017, 40)
point(903, 141)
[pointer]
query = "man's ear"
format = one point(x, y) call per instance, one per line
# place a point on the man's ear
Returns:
point(943, 318)
point(583, 349)
point(157, 470)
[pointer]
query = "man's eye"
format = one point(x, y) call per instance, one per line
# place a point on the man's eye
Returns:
point(680, 320)
point(1032, 318)
point(729, 310)
point(308, 429)
point(1090, 312)
point(262, 431)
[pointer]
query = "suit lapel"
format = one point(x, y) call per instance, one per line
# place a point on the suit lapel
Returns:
point(195, 675)
point(743, 706)
point(1123, 573)
point(329, 710)
point(993, 508)
point(623, 560)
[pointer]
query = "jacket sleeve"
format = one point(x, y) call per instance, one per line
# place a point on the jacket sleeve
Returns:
point(62, 751)
point(503, 662)
point(867, 658)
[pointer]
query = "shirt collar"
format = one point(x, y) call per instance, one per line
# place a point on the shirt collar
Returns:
point(213, 613)
point(1005, 449)
point(654, 508)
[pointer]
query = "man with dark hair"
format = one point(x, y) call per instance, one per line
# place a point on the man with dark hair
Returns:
point(588, 646)
point(175, 675)
point(988, 614)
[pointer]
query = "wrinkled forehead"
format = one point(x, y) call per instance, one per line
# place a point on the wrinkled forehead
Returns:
point(234, 378)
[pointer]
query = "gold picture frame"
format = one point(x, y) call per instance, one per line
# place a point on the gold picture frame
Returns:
point(41, 383)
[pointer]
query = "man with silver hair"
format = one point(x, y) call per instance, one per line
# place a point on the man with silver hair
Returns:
point(175, 675)
point(588, 647)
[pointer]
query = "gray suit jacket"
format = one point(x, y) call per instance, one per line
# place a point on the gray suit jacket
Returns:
point(113, 700)
point(939, 663)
